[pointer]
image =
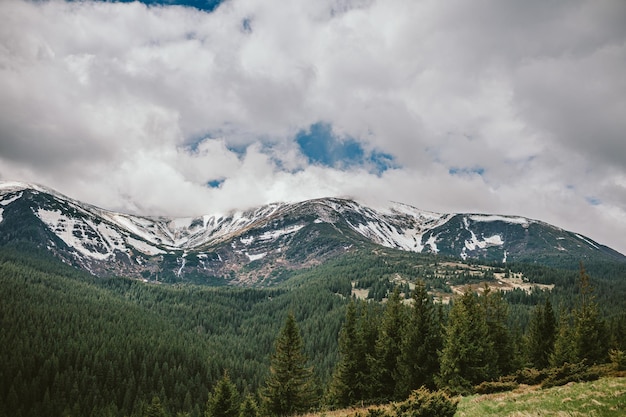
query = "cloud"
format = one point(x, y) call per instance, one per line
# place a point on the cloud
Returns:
point(494, 106)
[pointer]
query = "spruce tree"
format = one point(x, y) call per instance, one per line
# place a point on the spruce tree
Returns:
point(388, 348)
point(348, 384)
point(249, 407)
point(467, 357)
point(155, 409)
point(224, 401)
point(367, 333)
point(541, 335)
point(421, 341)
point(288, 389)
point(590, 337)
point(496, 316)
point(564, 350)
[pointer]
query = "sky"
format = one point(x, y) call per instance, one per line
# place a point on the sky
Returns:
point(184, 108)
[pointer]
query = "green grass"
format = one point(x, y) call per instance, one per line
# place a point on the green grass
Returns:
point(605, 397)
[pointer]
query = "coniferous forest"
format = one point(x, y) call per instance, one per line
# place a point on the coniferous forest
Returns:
point(77, 345)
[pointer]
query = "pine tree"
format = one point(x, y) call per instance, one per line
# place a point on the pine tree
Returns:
point(590, 337)
point(288, 389)
point(348, 385)
point(564, 350)
point(368, 331)
point(420, 344)
point(224, 401)
point(467, 357)
point(155, 409)
point(248, 407)
point(541, 335)
point(388, 348)
point(496, 316)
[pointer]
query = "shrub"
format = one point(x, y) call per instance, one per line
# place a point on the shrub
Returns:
point(618, 359)
point(373, 412)
point(377, 412)
point(489, 387)
point(531, 376)
point(577, 372)
point(423, 403)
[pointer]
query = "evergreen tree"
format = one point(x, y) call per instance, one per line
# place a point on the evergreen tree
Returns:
point(541, 335)
point(590, 337)
point(288, 389)
point(564, 351)
point(368, 333)
point(618, 332)
point(519, 348)
point(420, 344)
point(389, 348)
point(467, 357)
point(248, 407)
point(224, 401)
point(155, 409)
point(496, 316)
point(348, 384)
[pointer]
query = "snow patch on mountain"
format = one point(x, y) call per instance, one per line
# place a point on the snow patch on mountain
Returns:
point(256, 257)
point(389, 236)
point(495, 218)
point(76, 233)
point(17, 186)
point(586, 241)
point(398, 225)
point(246, 240)
point(432, 242)
point(275, 234)
point(9, 200)
point(182, 265)
point(144, 247)
point(395, 208)
point(475, 243)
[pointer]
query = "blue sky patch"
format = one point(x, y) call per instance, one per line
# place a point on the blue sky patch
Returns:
point(206, 5)
point(593, 201)
point(321, 146)
point(246, 25)
point(216, 183)
point(464, 171)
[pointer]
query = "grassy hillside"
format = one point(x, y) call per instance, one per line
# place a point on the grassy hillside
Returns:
point(605, 397)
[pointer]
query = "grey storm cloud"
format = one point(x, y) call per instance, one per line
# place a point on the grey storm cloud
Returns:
point(495, 106)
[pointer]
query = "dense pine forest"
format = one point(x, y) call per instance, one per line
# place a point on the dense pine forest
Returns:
point(366, 328)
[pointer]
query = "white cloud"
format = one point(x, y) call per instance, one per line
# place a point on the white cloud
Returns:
point(136, 108)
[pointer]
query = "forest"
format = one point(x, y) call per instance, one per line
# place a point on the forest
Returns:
point(77, 345)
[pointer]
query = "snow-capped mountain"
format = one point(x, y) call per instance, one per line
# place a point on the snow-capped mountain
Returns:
point(252, 245)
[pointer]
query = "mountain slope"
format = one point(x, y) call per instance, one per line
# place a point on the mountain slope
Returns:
point(252, 247)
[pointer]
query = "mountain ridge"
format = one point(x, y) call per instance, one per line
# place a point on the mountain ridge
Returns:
point(246, 247)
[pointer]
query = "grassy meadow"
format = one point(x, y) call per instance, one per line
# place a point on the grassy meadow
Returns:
point(605, 397)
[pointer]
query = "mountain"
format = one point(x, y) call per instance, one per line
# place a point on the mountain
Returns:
point(256, 246)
